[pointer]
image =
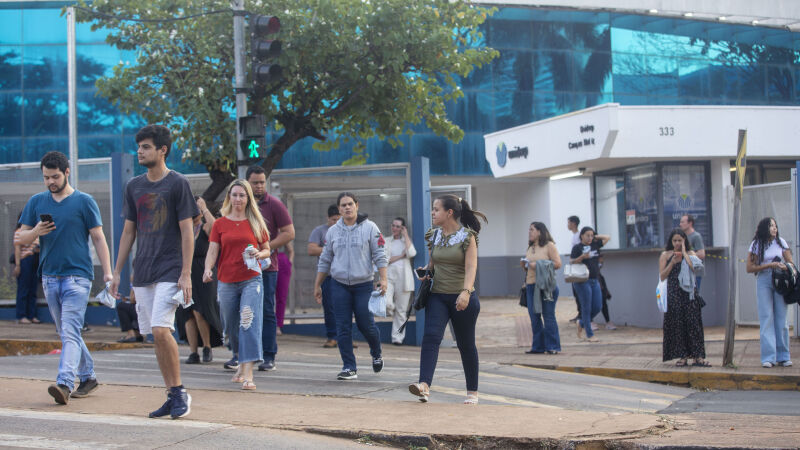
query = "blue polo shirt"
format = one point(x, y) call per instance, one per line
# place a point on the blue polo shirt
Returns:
point(65, 250)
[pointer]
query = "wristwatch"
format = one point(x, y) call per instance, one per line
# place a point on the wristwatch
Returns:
point(470, 290)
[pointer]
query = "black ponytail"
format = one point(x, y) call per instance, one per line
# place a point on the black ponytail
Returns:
point(462, 212)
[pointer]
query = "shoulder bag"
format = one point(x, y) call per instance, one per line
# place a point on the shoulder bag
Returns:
point(576, 273)
point(424, 291)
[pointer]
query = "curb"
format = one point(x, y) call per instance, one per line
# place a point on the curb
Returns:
point(21, 347)
point(698, 380)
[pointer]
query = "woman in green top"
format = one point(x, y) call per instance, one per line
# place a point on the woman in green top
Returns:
point(453, 251)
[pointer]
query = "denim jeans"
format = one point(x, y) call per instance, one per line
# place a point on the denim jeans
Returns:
point(348, 301)
point(26, 287)
point(545, 336)
point(591, 299)
point(67, 298)
point(327, 309)
point(440, 309)
point(773, 331)
point(240, 305)
point(697, 282)
point(269, 342)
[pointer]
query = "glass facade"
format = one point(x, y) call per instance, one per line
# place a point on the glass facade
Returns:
point(551, 62)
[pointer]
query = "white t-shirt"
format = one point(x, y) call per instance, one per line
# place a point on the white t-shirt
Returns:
point(770, 252)
point(576, 238)
point(398, 247)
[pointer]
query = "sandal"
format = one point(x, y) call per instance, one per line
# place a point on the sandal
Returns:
point(680, 363)
point(417, 389)
point(701, 363)
point(248, 385)
point(237, 379)
point(472, 399)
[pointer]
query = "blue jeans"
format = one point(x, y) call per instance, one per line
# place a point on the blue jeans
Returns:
point(591, 299)
point(697, 282)
point(440, 309)
point(240, 305)
point(268, 334)
point(67, 298)
point(327, 309)
point(545, 337)
point(348, 301)
point(773, 331)
point(26, 287)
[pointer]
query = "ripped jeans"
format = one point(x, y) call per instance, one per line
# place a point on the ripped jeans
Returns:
point(241, 305)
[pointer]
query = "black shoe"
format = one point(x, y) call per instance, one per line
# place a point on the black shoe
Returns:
point(164, 409)
point(574, 319)
point(377, 364)
point(347, 375)
point(531, 352)
point(207, 355)
point(85, 388)
point(59, 392)
point(233, 364)
point(128, 340)
point(267, 365)
point(181, 403)
point(194, 358)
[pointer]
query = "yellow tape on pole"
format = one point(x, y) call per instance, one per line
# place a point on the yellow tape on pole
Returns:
point(741, 161)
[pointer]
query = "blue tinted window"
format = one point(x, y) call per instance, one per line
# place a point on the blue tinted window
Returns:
point(10, 149)
point(45, 67)
point(96, 147)
point(46, 114)
point(94, 62)
point(10, 67)
point(35, 148)
point(44, 26)
point(10, 114)
point(11, 27)
point(96, 115)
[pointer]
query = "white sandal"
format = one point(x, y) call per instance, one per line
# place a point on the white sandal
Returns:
point(416, 389)
point(472, 399)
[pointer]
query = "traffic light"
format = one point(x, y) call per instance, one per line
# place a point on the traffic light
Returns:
point(265, 50)
point(253, 142)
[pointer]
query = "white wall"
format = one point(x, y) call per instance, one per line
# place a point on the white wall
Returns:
point(607, 211)
point(490, 200)
point(720, 180)
point(569, 197)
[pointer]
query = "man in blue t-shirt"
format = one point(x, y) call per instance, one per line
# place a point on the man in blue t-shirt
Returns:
point(63, 219)
point(159, 208)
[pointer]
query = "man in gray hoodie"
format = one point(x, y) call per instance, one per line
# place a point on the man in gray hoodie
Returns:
point(353, 246)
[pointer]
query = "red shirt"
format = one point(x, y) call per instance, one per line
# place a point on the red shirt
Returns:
point(276, 215)
point(233, 236)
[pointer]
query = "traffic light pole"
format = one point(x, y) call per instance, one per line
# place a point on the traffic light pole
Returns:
point(240, 76)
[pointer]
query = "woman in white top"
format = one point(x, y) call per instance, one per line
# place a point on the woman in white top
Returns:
point(769, 251)
point(401, 281)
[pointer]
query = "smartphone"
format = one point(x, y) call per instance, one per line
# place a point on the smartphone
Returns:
point(421, 273)
point(45, 217)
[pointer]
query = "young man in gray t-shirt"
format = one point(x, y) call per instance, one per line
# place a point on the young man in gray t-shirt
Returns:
point(695, 240)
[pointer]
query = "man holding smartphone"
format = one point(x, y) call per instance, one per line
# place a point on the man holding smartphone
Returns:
point(63, 219)
point(159, 208)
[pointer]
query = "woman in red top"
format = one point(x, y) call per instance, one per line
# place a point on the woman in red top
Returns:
point(239, 290)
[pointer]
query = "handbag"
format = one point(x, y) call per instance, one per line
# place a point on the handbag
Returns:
point(661, 294)
point(523, 292)
point(576, 273)
point(424, 291)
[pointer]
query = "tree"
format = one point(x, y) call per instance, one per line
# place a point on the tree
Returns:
point(353, 69)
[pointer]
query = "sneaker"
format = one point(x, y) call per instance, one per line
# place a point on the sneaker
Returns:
point(207, 355)
point(610, 326)
point(164, 409)
point(194, 358)
point(181, 403)
point(85, 388)
point(595, 326)
point(347, 375)
point(767, 365)
point(59, 392)
point(330, 343)
point(377, 364)
point(787, 363)
point(267, 365)
point(233, 364)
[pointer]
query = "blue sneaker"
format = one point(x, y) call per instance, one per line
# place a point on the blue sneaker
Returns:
point(164, 410)
point(181, 403)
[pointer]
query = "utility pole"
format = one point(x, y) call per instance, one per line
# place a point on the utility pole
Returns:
point(71, 99)
point(239, 85)
point(730, 320)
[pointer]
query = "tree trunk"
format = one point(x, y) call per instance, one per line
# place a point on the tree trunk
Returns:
point(283, 144)
point(220, 179)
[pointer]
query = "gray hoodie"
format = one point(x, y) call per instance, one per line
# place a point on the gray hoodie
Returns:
point(351, 251)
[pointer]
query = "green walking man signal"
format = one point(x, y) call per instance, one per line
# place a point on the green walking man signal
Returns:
point(253, 147)
point(253, 141)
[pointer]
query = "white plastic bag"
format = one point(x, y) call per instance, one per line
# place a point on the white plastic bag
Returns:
point(377, 304)
point(105, 298)
point(178, 299)
point(661, 295)
point(249, 256)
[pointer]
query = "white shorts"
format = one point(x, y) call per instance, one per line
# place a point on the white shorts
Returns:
point(155, 307)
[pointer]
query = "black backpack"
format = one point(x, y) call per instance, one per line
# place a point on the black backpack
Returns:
point(786, 283)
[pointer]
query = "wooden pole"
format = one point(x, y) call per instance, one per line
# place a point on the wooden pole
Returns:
point(730, 320)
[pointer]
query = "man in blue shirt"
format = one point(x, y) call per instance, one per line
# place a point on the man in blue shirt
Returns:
point(63, 219)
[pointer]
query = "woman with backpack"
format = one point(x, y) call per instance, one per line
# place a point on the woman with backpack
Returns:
point(769, 251)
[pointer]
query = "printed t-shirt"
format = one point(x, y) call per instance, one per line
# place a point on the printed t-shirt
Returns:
point(156, 208)
point(276, 216)
point(772, 251)
point(65, 250)
point(593, 262)
point(233, 236)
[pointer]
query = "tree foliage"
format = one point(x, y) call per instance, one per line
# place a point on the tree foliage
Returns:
point(353, 69)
